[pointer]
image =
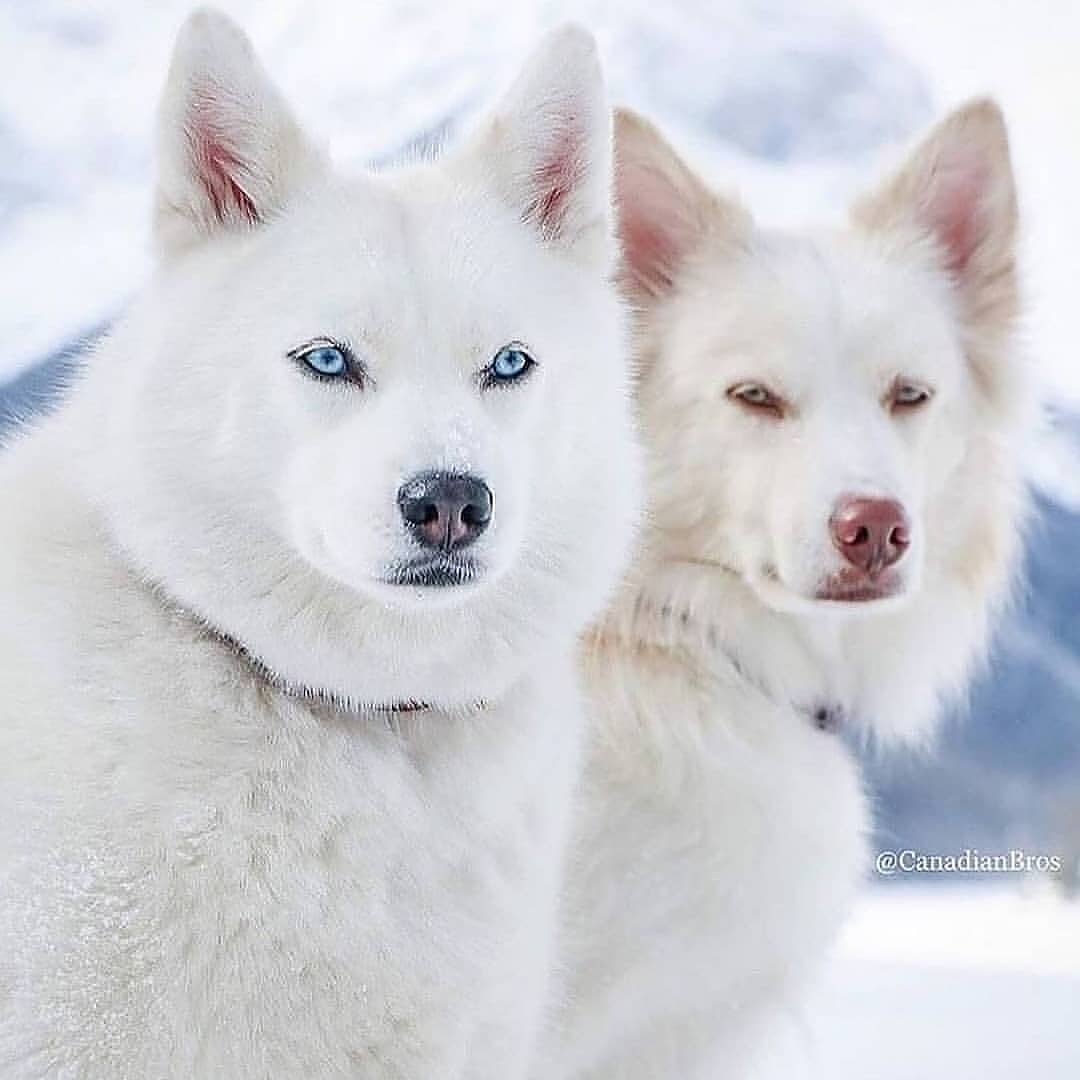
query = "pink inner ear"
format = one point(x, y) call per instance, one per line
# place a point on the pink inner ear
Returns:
point(555, 181)
point(217, 165)
point(955, 213)
point(653, 226)
point(649, 251)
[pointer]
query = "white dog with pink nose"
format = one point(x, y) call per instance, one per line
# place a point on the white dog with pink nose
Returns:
point(832, 423)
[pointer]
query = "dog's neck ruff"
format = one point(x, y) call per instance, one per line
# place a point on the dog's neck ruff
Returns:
point(317, 695)
point(299, 691)
point(669, 625)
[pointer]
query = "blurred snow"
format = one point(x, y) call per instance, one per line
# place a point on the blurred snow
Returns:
point(956, 983)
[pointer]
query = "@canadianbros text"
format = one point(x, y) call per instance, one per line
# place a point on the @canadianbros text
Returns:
point(968, 861)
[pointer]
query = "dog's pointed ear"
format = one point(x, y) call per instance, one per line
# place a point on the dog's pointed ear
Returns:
point(547, 146)
point(958, 188)
point(230, 153)
point(664, 210)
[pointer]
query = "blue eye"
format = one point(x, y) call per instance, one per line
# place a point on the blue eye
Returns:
point(326, 360)
point(323, 359)
point(511, 362)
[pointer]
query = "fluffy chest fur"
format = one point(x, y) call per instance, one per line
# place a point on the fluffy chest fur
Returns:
point(206, 877)
point(719, 838)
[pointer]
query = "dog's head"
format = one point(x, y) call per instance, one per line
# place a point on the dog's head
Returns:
point(828, 415)
point(813, 401)
point(409, 385)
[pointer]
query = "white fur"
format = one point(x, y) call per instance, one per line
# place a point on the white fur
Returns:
point(221, 855)
point(722, 832)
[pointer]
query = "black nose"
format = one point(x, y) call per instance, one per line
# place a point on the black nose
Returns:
point(445, 510)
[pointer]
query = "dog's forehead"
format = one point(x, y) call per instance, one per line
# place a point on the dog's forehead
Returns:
point(418, 222)
point(828, 302)
point(894, 311)
point(412, 258)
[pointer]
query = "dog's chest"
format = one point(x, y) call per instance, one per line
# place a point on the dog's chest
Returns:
point(709, 873)
point(268, 891)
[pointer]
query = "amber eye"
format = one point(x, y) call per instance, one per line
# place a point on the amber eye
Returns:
point(905, 395)
point(756, 397)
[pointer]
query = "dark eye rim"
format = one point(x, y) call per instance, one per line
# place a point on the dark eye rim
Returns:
point(774, 405)
point(353, 374)
point(487, 377)
point(894, 405)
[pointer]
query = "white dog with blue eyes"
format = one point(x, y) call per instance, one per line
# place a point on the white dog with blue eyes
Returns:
point(289, 595)
point(832, 422)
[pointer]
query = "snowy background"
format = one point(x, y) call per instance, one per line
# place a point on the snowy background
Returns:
point(795, 106)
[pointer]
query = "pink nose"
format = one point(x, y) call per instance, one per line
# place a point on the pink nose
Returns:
point(870, 533)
